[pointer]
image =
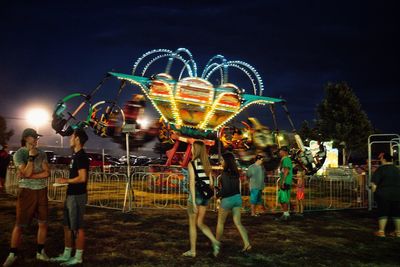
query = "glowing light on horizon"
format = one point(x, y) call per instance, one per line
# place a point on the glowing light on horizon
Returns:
point(37, 117)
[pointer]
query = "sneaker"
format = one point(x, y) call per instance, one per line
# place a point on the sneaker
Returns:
point(42, 256)
point(60, 258)
point(72, 261)
point(10, 260)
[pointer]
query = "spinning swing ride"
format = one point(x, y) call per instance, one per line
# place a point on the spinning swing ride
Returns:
point(191, 108)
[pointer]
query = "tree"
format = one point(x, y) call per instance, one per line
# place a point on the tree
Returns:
point(5, 134)
point(341, 118)
point(308, 133)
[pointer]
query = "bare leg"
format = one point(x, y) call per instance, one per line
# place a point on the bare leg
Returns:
point(301, 206)
point(67, 237)
point(397, 225)
point(192, 234)
point(253, 209)
point(242, 231)
point(16, 237)
point(204, 228)
point(382, 224)
point(42, 233)
point(222, 214)
point(285, 207)
point(80, 239)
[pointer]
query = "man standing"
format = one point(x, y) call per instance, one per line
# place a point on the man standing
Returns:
point(74, 206)
point(256, 174)
point(33, 170)
point(385, 183)
point(285, 182)
point(4, 161)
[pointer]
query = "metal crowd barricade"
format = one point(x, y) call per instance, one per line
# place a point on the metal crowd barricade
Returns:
point(167, 189)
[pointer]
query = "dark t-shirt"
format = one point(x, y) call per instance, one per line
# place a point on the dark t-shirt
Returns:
point(80, 160)
point(387, 179)
point(229, 185)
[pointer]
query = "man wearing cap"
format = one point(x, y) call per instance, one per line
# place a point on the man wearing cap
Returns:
point(285, 182)
point(33, 171)
point(256, 174)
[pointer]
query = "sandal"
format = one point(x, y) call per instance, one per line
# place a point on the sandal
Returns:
point(394, 234)
point(246, 249)
point(380, 234)
point(216, 247)
point(189, 253)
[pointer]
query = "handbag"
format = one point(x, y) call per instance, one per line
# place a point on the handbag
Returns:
point(205, 191)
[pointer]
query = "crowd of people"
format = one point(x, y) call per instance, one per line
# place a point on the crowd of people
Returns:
point(32, 202)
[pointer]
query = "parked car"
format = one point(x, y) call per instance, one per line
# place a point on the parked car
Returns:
point(58, 159)
point(142, 161)
point(113, 160)
point(132, 159)
point(50, 154)
point(96, 160)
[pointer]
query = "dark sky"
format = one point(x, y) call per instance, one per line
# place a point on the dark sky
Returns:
point(49, 49)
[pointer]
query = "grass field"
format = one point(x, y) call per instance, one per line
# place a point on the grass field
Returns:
point(149, 237)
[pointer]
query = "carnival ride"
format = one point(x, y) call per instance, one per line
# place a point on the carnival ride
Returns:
point(191, 108)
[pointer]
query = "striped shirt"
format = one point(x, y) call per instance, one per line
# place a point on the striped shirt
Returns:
point(200, 174)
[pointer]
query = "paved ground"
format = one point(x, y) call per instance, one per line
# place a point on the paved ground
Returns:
point(158, 237)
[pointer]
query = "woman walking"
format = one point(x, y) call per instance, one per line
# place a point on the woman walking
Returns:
point(231, 199)
point(199, 170)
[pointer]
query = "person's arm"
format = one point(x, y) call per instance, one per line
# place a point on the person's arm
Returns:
point(192, 185)
point(25, 169)
point(285, 172)
point(81, 178)
point(376, 177)
point(43, 174)
point(211, 180)
point(373, 187)
point(248, 173)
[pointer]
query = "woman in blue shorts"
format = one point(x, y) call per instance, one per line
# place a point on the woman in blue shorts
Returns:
point(231, 199)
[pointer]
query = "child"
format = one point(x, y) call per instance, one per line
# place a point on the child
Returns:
point(300, 192)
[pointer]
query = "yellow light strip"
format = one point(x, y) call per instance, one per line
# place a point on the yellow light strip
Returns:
point(212, 110)
point(175, 110)
point(260, 102)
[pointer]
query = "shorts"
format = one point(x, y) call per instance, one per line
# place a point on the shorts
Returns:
point(231, 202)
point(283, 196)
point(74, 209)
point(255, 196)
point(199, 201)
point(300, 195)
point(31, 204)
point(387, 208)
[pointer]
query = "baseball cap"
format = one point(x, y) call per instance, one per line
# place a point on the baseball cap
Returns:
point(284, 148)
point(30, 132)
point(259, 157)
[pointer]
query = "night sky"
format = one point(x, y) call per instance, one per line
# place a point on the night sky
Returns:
point(53, 48)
